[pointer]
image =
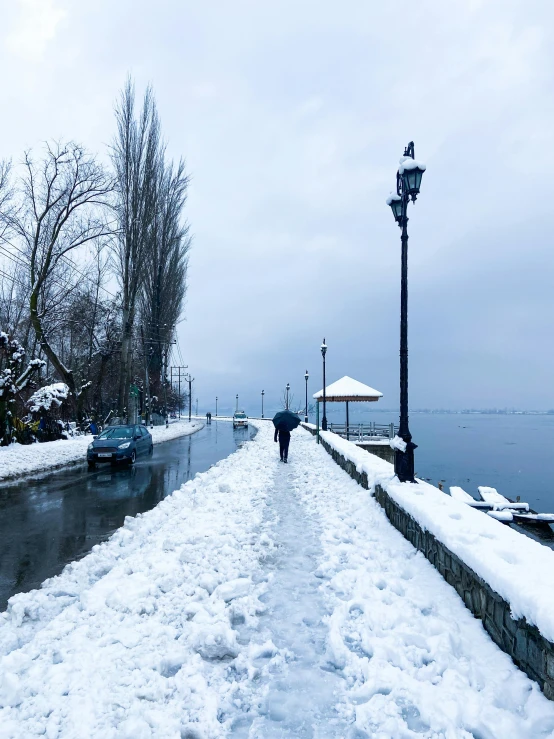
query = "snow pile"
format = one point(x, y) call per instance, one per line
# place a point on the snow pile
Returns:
point(415, 662)
point(259, 600)
point(135, 640)
point(398, 443)
point(20, 459)
point(48, 397)
point(515, 566)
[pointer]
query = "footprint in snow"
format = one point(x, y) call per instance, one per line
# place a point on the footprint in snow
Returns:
point(508, 557)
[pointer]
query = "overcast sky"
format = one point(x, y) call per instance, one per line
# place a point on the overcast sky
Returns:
point(292, 116)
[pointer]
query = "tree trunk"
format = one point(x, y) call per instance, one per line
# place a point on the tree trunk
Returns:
point(61, 369)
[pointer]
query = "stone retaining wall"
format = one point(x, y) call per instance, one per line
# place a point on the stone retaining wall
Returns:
point(522, 641)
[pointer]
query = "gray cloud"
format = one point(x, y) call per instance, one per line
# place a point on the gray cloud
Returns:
point(292, 117)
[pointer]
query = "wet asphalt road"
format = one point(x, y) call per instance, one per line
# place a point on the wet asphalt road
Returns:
point(48, 521)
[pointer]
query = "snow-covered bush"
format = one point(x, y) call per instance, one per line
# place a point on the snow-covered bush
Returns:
point(48, 397)
point(14, 378)
point(44, 404)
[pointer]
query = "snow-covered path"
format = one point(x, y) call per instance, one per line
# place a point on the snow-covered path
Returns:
point(260, 600)
point(297, 692)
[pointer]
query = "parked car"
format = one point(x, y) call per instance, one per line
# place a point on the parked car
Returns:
point(120, 444)
point(240, 419)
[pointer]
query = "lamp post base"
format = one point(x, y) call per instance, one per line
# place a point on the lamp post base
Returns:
point(306, 419)
point(404, 463)
point(324, 423)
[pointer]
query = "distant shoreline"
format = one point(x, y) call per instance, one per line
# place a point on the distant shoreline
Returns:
point(467, 412)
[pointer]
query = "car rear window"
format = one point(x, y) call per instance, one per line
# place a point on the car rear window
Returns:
point(240, 415)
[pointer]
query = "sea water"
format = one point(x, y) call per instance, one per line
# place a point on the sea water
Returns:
point(513, 453)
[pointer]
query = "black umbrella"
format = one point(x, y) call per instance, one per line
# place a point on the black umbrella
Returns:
point(286, 420)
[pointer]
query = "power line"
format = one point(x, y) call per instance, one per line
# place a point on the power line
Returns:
point(67, 259)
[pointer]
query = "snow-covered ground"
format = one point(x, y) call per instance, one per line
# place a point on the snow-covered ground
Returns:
point(260, 600)
point(23, 459)
point(514, 565)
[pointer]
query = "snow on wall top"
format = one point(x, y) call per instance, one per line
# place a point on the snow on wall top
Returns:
point(347, 387)
point(518, 568)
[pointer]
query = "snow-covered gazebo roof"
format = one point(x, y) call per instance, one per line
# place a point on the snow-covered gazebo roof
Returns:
point(346, 389)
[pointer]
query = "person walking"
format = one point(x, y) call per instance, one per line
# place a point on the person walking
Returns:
point(284, 441)
point(284, 422)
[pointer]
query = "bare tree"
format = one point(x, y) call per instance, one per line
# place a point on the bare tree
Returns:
point(63, 199)
point(165, 282)
point(136, 155)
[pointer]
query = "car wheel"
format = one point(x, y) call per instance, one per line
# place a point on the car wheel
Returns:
point(151, 450)
point(133, 457)
point(91, 465)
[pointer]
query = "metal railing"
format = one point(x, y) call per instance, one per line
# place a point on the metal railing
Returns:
point(364, 431)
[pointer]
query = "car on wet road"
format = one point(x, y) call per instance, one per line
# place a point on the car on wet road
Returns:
point(240, 419)
point(120, 444)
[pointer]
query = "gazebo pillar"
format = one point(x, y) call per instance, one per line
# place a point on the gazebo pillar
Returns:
point(347, 422)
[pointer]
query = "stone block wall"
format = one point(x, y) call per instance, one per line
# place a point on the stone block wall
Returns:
point(383, 451)
point(522, 641)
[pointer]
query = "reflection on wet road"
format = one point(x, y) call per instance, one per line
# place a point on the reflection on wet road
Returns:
point(49, 521)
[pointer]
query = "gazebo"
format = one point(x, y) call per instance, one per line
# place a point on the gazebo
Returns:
point(347, 390)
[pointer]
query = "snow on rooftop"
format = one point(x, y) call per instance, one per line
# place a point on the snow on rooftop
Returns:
point(348, 387)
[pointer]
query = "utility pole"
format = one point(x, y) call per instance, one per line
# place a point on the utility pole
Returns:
point(146, 382)
point(190, 380)
point(156, 339)
point(196, 406)
point(178, 377)
point(165, 387)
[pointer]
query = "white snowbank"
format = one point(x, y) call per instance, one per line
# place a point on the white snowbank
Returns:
point(22, 459)
point(515, 566)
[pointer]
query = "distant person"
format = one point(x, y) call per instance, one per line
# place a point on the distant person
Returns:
point(284, 441)
point(93, 428)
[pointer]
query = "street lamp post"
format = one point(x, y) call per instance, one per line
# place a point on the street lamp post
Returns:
point(408, 181)
point(306, 376)
point(237, 408)
point(190, 380)
point(324, 419)
point(287, 401)
point(263, 393)
point(216, 406)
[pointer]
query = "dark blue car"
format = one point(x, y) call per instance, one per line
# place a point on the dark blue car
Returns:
point(120, 444)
